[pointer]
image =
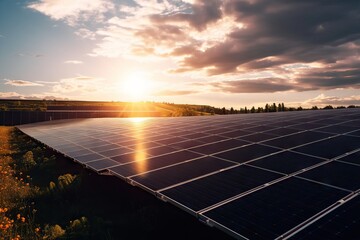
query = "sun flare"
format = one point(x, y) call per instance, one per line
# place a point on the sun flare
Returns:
point(136, 86)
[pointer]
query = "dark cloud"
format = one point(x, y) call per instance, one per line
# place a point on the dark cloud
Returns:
point(281, 32)
point(264, 85)
point(201, 14)
point(330, 79)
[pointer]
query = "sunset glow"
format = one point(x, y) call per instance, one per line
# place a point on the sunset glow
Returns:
point(222, 53)
point(136, 86)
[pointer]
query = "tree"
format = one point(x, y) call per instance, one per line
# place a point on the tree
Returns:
point(246, 111)
point(267, 108)
point(328, 107)
point(252, 110)
point(314, 108)
point(231, 110)
point(223, 110)
point(282, 107)
point(279, 108)
point(274, 107)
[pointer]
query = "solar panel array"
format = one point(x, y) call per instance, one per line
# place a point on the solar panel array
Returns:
point(255, 176)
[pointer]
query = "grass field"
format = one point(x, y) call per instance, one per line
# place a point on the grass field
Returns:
point(46, 196)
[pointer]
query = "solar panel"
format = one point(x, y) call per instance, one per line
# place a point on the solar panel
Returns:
point(254, 176)
point(286, 162)
point(272, 211)
point(342, 223)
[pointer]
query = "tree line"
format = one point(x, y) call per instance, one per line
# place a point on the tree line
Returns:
point(280, 107)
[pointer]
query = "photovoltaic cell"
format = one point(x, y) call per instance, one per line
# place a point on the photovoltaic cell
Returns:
point(307, 126)
point(355, 133)
point(102, 164)
point(89, 157)
point(210, 190)
point(286, 162)
point(338, 174)
point(130, 157)
point(257, 137)
point(186, 144)
point(342, 223)
point(148, 164)
point(235, 134)
point(337, 129)
point(247, 153)
point(282, 131)
point(272, 211)
point(297, 139)
point(352, 158)
point(179, 173)
point(219, 146)
point(331, 148)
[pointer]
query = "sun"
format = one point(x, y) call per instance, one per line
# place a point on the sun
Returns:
point(136, 86)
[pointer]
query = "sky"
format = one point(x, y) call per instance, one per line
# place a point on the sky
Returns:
point(231, 53)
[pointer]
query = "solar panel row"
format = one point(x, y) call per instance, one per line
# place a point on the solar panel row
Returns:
point(254, 177)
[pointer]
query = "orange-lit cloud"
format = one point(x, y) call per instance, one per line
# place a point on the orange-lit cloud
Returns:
point(175, 92)
point(323, 100)
point(21, 83)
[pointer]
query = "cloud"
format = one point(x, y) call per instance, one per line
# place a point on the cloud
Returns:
point(15, 95)
point(286, 30)
point(46, 82)
point(21, 83)
point(79, 84)
point(73, 10)
point(9, 95)
point(174, 92)
point(264, 85)
point(323, 100)
point(285, 45)
point(37, 55)
point(73, 62)
point(201, 14)
point(86, 33)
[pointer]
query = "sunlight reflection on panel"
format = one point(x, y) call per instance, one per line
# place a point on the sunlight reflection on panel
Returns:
point(140, 152)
